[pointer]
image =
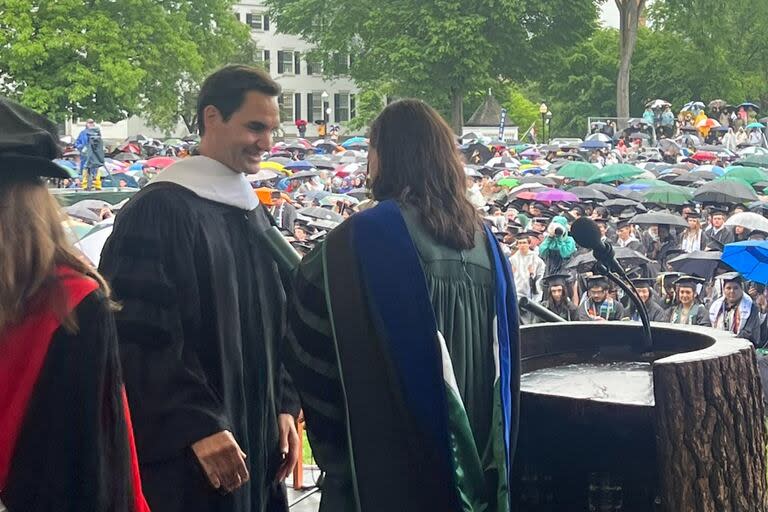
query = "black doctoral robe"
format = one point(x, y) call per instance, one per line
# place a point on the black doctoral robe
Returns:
point(73, 453)
point(203, 313)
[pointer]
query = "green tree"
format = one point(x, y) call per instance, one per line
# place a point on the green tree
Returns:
point(111, 59)
point(437, 50)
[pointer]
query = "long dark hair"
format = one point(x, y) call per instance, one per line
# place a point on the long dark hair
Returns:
point(415, 161)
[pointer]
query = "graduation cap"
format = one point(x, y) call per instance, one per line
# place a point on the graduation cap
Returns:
point(689, 281)
point(525, 235)
point(578, 209)
point(731, 277)
point(28, 144)
point(541, 220)
point(598, 282)
point(718, 210)
point(643, 282)
point(667, 276)
point(623, 223)
point(556, 280)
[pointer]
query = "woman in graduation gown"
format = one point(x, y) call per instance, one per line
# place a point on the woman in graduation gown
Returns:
point(403, 336)
point(688, 310)
point(66, 442)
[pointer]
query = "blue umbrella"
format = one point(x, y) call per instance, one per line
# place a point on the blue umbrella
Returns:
point(749, 258)
point(138, 166)
point(354, 141)
point(299, 165)
point(595, 144)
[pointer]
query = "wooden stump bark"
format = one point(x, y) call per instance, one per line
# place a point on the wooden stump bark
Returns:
point(711, 438)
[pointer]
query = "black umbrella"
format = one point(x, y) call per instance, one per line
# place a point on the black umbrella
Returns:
point(316, 212)
point(481, 151)
point(303, 174)
point(697, 263)
point(127, 157)
point(627, 258)
point(725, 191)
point(620, 203)
point(359, 193)
point(656, 218)
point(541, 180)
point(588, 193)
point(608, 190)
point(693, 177)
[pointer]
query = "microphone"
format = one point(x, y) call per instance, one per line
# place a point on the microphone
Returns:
point(587, 234)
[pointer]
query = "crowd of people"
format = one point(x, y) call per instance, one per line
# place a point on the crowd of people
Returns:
point(167, 367)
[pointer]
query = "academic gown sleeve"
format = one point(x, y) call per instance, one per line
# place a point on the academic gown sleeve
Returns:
point(151, 261)
point(73, 451)
point(751, 329)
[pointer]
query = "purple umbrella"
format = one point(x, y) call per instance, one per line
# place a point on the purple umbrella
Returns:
point(531, 153)
point(553, 195)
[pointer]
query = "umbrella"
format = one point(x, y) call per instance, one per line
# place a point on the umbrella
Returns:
point(472, 172)
point(755, 126)
point(714, 169)
point(594, 144)
point(92, 244)
point(688, 140)
point(693, 177)
point(668, 196)
point(76, 229)
point(525, 187)
point(725, 191)
point(359, 193)
point(658, 104)
point(588, 193)
point(160, 162)
point(126, 157)
point(541, 180)
point(659, 218)
point(332, 199)
point(299, 165)
point(615, 172)
point(316, 212)
point(321, 162)
point(748, 105)
point(114, 180)
point(717, 104)
point(356, 142)
point(303, 174)
point(749, 220)
point(578, 170)
point(749, 174)
point(553, 195)
point(608, 190)
point(752, 150)
point(707, 123)
point(704, 156)
point(669, 146)
point(620, 203)
point(508, 182)
point(749, 258)
point(326, 146)
point(692, 106)
point(697, 263)
point(531, 153)
point(600, 137)
point(627, 258)
point(263, 175)
point(754, 161)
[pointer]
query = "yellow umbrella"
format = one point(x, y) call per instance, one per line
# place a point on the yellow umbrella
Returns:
point(274, 166)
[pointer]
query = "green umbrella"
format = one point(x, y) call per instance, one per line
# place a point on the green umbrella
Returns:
point(749, 174)
point(668, 195)
point(615, 172)
point(578, 170)
point(508, 182)
point(755, 125)
point(754, 161)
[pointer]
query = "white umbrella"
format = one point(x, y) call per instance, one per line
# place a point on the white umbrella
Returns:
point(753, 150)
point(92, 244)
point(749, 220)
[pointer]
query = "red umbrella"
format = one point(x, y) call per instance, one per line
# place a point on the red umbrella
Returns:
point(528, 196)
point(704, 156)
point(160, 162)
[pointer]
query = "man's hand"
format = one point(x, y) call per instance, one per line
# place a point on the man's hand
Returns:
point(289, 445)
point(222, 460)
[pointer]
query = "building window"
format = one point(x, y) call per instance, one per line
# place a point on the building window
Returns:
point(257, 21)
point(341, 107)
point(262, 59)
point(286, 61)
point(341, 62)
point(314, 66)
point(317, 105)
point(286, 106)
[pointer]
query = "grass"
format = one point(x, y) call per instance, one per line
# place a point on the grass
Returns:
point(306, 450)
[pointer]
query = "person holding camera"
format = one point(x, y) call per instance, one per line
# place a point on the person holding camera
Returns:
point(558, 246)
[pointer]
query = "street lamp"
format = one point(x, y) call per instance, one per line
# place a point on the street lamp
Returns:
point(326, 114)
point(549, 126)
point(543, 109)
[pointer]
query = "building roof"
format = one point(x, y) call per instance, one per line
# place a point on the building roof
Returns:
point(487, 114)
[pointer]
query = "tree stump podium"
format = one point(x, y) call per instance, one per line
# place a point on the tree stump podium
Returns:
point(698, 444)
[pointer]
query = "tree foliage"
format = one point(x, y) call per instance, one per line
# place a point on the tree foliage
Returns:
point(437, 50)
point(109, 59)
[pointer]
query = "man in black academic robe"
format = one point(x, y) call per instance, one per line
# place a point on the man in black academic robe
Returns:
point(718, 233)
point(203, 312)
point(557, 300)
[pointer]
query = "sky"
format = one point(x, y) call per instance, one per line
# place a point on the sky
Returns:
point(609, 14)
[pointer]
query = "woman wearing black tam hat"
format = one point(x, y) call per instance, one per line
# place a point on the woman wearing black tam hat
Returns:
point(66, 441)
point(735, 311)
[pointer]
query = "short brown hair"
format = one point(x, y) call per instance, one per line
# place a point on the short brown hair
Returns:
point(225, 89)
point(419, 164)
